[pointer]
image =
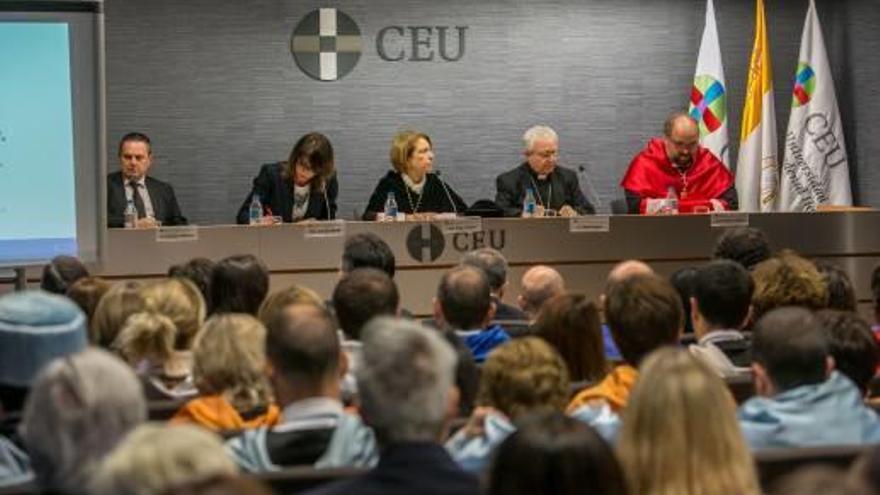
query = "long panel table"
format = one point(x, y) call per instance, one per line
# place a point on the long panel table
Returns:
point(310, 254)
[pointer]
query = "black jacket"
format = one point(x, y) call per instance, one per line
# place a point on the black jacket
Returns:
point(434, 198)
point(165, 207)
point(276, 193)
point(561, 188)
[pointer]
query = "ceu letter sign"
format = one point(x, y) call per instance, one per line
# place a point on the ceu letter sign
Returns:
point(326, 44)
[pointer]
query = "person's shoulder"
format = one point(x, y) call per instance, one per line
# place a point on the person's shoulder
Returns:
point(154, 182)
point(566, 172)
point(511, 174)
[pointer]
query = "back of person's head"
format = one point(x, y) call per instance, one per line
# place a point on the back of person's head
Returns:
point(87, 293)
point(288, 296)
point(238, 285)
point(570, 323)
point(146, 336)
point(841, 293)
point(361, 295)
point(464, 297)
point(791, 347)
point(539, 284)
point(747, 246)
point(179, 300)
point(60, 273)
point(302, 345)
point(723, 293)
point(552, 453)
point(624, 270)
point(367, 250)
point(787, 280)
point(406, 381)
point(122, 300)
point(229, 359)
point(522, 376)
point(698, 448)
point(851, 344)
point(683, 281)
point(493, 264)
point(78, 410)
point(154, 458)
point(644, 313)
point(198, 271)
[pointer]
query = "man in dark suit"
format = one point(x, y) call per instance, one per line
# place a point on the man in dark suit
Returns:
point(153, 199)
point(555, 188)
point(408, 396)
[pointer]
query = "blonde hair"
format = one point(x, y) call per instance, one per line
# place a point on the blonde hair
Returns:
point(402, 147)
point(276, 302)
point(182, 302)
point(229, 358)
point(146, 335)
point(154, 458)
point(524, 375)
point(121, 301)
point(787, 280)
point(680, 434)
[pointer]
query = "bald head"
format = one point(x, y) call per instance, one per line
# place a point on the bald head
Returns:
point(628, 268)
point(464, 298)
point(303, 345)
point(682, 139)
point(539, 284)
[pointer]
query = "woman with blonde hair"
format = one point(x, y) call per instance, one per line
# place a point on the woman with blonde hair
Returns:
point(115, 306)
point(229, 360)
point(680, 434)
point(415, 188)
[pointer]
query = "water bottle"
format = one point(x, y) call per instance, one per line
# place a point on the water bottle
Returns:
point(131, 215)
point(529, 204)
point(255, 212)
point(671, 204)
point(391, 207)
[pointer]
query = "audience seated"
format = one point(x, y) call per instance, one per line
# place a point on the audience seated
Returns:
point(305, 365)
point(238, 285)
point(852, 345)
point(122, 300)
point(408, 397)
point(276, 302)
point(801, 400)
point(80, 407)
point(680, 434)
point(618, 273)
point(520, 377)
point(539, 284)
point(722, 296)
point(747, 246)
point(60, 273)
point(229, 359)
point(494, 265)
point(552, 453)
point(464, 304)
point(570, 323)
point(644, 313)
point(787, 280)
point(841, 293)
point(156, 458)
point(198, 271)
point(367, 250)
point(86, 293)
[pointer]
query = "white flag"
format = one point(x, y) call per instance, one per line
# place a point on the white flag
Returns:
point(757, 171)
point(815, 170)
point(709, 93)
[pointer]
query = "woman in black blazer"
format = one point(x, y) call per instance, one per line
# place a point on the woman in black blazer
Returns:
point(303, 187)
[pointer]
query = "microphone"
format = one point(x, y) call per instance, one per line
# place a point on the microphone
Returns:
point(592, 195)
point(446, 189)
point(326, 201)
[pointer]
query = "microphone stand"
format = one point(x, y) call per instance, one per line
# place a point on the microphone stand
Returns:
point(446, 190)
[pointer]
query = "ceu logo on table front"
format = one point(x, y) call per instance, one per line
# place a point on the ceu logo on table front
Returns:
point(804, 85)
point(425, 242)
point(708, 104)
point(326, 44)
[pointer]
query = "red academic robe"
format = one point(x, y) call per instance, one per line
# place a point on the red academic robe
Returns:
point(651, 173)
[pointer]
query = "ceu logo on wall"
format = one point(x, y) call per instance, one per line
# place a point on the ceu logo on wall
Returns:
point(425, 242)
point(326, 44)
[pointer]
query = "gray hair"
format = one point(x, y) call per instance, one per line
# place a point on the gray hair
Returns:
point(491, 262)
point(155, 458)
point(80, 406)
point(537, 132)
point(405, 379)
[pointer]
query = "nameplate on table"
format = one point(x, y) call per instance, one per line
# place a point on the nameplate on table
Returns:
point(589, 224)
point(321, 230)
point(464, 225)
point(731, 219)
point(183, 233)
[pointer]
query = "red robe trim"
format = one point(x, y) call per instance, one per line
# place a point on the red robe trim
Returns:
point(650, 175)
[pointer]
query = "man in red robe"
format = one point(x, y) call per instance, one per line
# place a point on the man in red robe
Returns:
point(678, 161)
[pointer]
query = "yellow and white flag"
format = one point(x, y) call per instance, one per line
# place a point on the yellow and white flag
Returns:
point(815, 169)
point(757, 171)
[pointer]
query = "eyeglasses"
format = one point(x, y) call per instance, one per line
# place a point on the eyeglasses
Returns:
point(546, 154)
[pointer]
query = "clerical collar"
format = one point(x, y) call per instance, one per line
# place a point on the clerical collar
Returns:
point(535, 175)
